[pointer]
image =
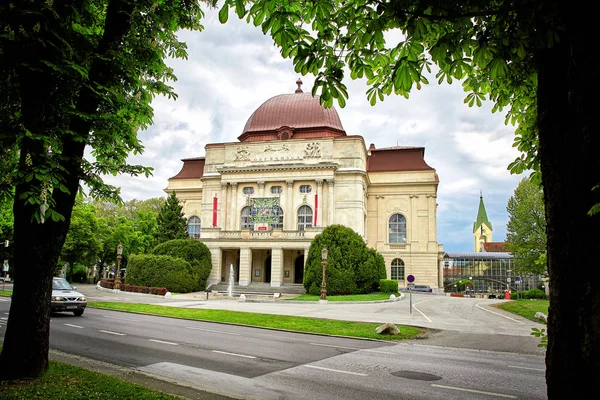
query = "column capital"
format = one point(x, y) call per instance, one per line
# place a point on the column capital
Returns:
point(234, 185)
point(330, 182)
point(412, 196)
point(319, 182)
point(290, 183)
point(223, 185)
point(261, 184)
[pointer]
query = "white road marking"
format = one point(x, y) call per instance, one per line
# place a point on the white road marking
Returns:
point(4, 318)
point(232, 354)
point(333, 345)
point(528, 368)
point(352, 348)
point(212, 330)
point(508, 396)
point(112, 333)
point(335, 370)
point(495, 313)
point(122, 319)
point(162, 341)
point(74, 326)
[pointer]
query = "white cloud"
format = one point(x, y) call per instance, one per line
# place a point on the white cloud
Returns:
point(233, 68)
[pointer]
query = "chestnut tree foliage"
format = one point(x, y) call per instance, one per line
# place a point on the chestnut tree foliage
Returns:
point(75, 75)
point(532, 59)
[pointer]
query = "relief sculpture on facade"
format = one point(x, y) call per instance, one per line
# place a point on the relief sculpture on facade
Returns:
point(283, 147)
point(242, 154)
point(313, 150)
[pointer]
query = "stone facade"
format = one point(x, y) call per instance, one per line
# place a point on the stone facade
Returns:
point(318, 176)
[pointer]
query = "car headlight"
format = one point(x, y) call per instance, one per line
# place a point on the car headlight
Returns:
point(57, 298)
point(82, 298)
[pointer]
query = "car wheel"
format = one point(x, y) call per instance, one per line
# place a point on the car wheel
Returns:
point(78, 313)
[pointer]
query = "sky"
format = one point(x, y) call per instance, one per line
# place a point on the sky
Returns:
point(233, 68)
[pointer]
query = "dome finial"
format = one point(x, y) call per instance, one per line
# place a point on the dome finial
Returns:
point(299, 83)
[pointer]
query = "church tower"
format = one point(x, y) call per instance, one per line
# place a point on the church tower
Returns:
point(482, 227)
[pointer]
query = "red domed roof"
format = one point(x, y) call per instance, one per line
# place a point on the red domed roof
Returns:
point(299, 113)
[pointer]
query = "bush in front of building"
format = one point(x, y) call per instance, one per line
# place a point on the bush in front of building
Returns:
point(388, 286)
point(191, 250)
point(175, 274)
point(534, 294)
point(352, 267)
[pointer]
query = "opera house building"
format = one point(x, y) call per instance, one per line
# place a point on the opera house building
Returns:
point(259, 201)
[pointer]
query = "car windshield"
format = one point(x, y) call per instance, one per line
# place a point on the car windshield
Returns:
point(61, 284)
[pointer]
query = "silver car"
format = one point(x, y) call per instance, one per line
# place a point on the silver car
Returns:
point(65, 298)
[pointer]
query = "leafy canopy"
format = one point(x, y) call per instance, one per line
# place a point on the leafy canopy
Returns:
point(486, 45)
point(526, 228)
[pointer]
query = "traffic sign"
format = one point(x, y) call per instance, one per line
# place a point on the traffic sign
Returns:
point(517, 278)
point(410, 278)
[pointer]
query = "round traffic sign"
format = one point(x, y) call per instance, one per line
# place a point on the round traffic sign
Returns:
point(410, 278)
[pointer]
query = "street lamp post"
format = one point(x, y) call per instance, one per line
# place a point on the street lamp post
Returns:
point(323, 281)
point(118, 272)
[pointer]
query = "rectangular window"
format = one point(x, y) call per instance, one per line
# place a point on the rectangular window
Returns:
point(305, 188)
point(276, 189)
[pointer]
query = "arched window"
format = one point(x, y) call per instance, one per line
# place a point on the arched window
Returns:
point(246, 221)
point(397, 270)
point(279, 224)
point(305, 218)
point(397, 229)
point(194, 227)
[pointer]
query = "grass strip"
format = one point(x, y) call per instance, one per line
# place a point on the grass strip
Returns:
point(300, 324)
point(351, 297)
point(526, 308)
point(66, 382)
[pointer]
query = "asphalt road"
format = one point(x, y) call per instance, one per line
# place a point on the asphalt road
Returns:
point(452, 321)
point(472, 351)
point(252, 363)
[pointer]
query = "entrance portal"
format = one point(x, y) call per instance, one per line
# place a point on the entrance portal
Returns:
point(268, 270)
point(299, 269)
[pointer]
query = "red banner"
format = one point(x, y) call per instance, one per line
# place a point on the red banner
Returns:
point(316, 208)
point(214, 212)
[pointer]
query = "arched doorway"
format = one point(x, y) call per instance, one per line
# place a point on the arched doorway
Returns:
point(299, 269)
point(268, 269)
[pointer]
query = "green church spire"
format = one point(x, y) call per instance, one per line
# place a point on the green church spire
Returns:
point(481, 215)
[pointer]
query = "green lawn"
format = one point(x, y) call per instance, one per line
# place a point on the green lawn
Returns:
point(300, 324)
point(526, 308)
point(65, 382)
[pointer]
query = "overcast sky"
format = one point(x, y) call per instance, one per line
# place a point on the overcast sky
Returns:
point(233, 68)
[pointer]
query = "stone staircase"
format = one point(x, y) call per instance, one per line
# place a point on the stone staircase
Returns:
point(257, 289)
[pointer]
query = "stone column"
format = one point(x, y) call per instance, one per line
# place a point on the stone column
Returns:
point(414, 219)
point(431, 213)
point(245, 267)
point(261, 188)
point(319, 211)
point(276, 267)
point(441, 270)
point(216, 260)
point(288, 216)
point(234, 214)
point(222, 213)
point(331, 201)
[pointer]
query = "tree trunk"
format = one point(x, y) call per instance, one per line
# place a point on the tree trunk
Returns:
point(38, 245)
point(569, 151)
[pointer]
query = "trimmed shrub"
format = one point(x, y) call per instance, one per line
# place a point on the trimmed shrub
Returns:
point(534, 294)
point(388, 286)
point(352, 267)
point(175, 274)
point(194, 252)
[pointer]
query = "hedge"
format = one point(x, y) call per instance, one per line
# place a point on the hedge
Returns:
point(352, 267)
point(175, 274)
point(194, 252)
point(388, 286)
